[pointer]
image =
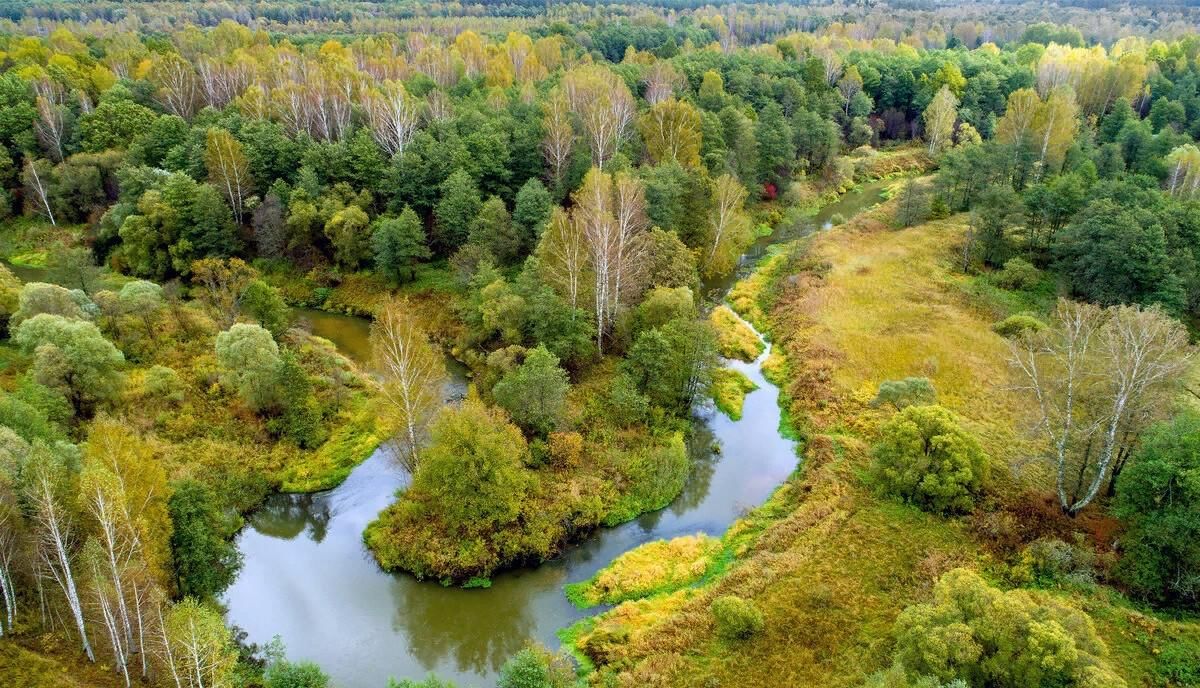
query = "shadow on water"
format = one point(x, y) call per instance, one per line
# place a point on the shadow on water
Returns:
point(308, 577)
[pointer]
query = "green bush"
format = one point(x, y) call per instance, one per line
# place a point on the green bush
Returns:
point(1017, 325)
point(911, 391)
point(925, 457)
point(1179, 663)
point(1018, 273)
point(736, 618)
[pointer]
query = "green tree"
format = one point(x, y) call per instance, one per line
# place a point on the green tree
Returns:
point(1158, 496)
point(474, 468)
point(997, 211)
point(535, 392)
point(265, 304)
point(456, 211)
point(531, 212)
point(493, 229)
point(114, 124)
point(535, 667)
point(248, 358)
point(673, 364)
point(300, 417)
point(72, 358)
point(347, 231)
point(776, 151)
point(205, 562)
point(925, 456)
point(399, 243)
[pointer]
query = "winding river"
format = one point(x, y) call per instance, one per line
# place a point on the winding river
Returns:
point(308, 578)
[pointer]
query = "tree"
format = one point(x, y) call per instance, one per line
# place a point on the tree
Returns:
point(911, 391)
point(939, 119)
point(997, 211)
point(72, 358)
point(37, 179)
point(1056, 121)
point(41, 297)
point(531, 212)
point(1159, 498)
point(562, 257)
point(673, 364)
point(115, 123)
point(224, 283)
point(1095, 377)
point(536, 667)
point(393, 115)
point(198, 647)
point(535, 392)
point(49, 487)
point(730, 231)
point(399, 243)
point(776, 151)
point(228, 169)
point(1008, 639)
point(413, 374)
point(493, 229)
point(925, 457)
point(604, 107)
point(455, 211)
point(473, 469)
point(671, 132)
point(347, 231)
point(559, 138)
point(248, 358)
point(265, 304)
point(913, 204)
point(205, 563)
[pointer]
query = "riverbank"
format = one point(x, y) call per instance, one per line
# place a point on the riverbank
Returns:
point(827, 562)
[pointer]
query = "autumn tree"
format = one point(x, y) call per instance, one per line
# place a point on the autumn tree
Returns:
point(228, 169)
point(394, 116)
point(559, 137)
point(1095, 378)
point(604, 107)
point(730, 230)
point(671, 131)
point(413, 374)
point(939, 119)
point(73, 358)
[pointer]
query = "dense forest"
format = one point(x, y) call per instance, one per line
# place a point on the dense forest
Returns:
point(603, 221)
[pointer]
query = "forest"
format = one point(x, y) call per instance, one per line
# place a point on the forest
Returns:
point(538, 345)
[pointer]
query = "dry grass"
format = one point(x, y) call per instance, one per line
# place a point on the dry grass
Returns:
point(734, 338)
point(729, 390)
point(828, 562)
point(654, 567)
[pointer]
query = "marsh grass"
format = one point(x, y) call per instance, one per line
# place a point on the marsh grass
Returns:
point(734, 339)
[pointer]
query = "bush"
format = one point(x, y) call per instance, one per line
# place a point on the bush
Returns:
point(1016, 325)
point(925, 457)
point(1179, 663)
point(1050, 561)
point(911, 391)
point(1018, 273)
point(1001, 639)
point(736, 618)
point(163, 382)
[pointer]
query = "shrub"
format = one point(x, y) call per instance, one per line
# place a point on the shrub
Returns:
point(1179, 663)
point(911, 391)
point(1016, 325)
point(925, 457)
point(1050, 561)
point(1003, 639)
point(736, 618)
point(163, 382)
point(1018, 273)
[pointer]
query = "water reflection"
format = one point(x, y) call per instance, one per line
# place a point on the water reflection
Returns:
point(308, 577)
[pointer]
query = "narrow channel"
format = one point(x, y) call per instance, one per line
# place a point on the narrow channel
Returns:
point(308, 578)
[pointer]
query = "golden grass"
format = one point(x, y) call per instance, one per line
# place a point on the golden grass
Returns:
point(734, 338)
point(654, 567)
point(828, 562)
point(729, 390)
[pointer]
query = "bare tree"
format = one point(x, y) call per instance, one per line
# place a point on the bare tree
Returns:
point(1094, 378)
point(662, 82)
point(413, 374)
point(51, 123)
point(37, 186)
point(393, 115)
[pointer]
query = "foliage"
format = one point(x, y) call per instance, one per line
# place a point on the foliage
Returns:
point(736, 618)
point(205, 564)
point(900, 394)
point(734, 338)
point(249, 357)
point(925, 456)
point(71, 357)
point(729, 390)
point(534, 393)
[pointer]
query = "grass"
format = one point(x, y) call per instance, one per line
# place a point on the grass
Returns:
point(729, 390)
point(829, 562)
point(734, 338)
point(653, 568)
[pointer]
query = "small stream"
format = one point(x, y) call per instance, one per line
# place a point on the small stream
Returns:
point(308, 578)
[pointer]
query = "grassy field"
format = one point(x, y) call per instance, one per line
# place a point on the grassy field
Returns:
point(828, 562)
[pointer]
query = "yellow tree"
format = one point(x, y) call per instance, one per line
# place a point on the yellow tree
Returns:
point(393, 116)
point(729, 226)
point(604, 106)
point(228, 169)
point(939, 119)
point(671, 131)
point(413, 374)
point(1056, 122)
point(559, 137)
point(1016, 126)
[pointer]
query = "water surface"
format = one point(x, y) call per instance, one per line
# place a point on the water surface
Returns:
point(309, 579)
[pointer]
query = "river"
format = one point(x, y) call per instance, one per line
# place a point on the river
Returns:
point(308, 578)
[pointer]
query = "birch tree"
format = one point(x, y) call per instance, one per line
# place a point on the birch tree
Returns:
point(604, 107)
point(393, 116)
point(413, 374)
point(36, 181)
point(730, 228)
point(197, 646)
point(563, 256)
point(559, 138)
point(939, 119)
point(1183, 178)
point(671, 131)
point(48, 492)
point(12, 534)
point(662, 82)
point(228, 169)
point(1094, 378)
point(51, 123)
point(1056, 122)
